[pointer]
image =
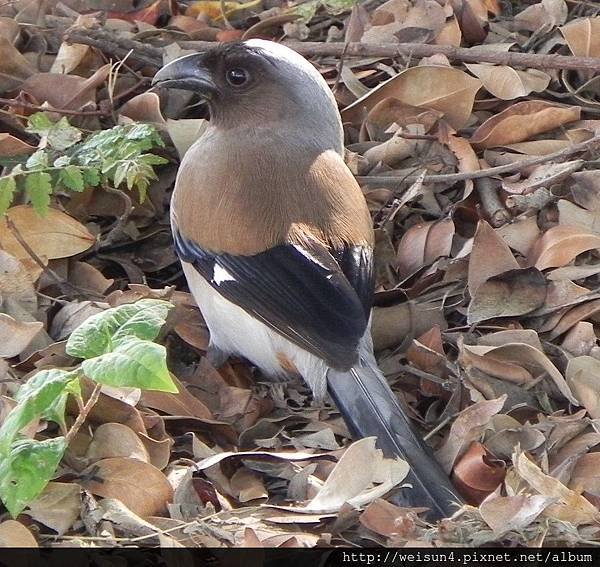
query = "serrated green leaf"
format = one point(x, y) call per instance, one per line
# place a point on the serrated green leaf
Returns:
point(102, 332)
point(8, 187)
point(26, 471)
point(37, 160)
point(121, 172)
point(91, 176)
point(72, 178)
point(39, 122)
point(38, 186)
point(58, 135)
point(37, 399)
point(134, 363)
point(62, 161)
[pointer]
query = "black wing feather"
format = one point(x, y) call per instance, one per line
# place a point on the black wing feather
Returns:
point(301, 292)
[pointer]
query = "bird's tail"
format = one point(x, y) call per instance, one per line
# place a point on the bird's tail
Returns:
point(370, 408)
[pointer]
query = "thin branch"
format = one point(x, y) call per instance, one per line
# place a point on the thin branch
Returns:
point(463, 54)
point(85, 410)
point(30, 106)
point(109, 43)
point(393, 180)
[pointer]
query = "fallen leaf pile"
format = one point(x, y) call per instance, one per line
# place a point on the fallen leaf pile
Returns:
point(483, 185)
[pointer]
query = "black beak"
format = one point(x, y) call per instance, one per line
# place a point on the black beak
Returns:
point(188, 73)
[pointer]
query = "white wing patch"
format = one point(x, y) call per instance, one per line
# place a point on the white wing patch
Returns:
point(220, 275)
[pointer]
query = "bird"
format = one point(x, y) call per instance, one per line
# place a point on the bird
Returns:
point(276, 243)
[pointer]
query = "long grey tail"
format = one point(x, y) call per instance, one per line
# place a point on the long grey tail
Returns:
point(370, 408)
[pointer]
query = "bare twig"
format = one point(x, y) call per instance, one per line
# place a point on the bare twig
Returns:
point(109, 43)
point(490, 201)
point(464, 54)
point(66, 111)
point(84, 412)
point(393, 180)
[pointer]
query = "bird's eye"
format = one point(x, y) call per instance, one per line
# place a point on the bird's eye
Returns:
point(237, 77)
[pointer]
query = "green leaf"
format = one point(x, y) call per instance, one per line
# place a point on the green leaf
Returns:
point(38, 398)
point(38, 186)
point(58, 135)
point(39, 123)
point(8, 187)
point(26, 471)
point(102, 332)
point(91, 176)
point(72, 178)
point(55, 411)
point(134, 363)
point(37, 160)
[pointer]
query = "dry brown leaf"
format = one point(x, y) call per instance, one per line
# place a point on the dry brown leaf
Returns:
point(144, 107)
point(570, 214)
point(586, 474)
point(247, 485)
point(522, 121)
point(56, 235)
point(15, 534)
point(58, 507)
point(513, 513)
point(510, 294)
point(477, 473)
point(180, 404)
point(478, 357)
point(391, 325)
point(15, 336)
point(507, 83)
point(573, 316)
point(543, 16)
point(445, 89)
point(11, 146)
point(526, 356)
point(560, 245)
point(490, 256)
point(520, 234)
point(351, 480)
point(580, 339)
point(451, 33)
point(65, 91)
point(582, 377)
point(387, 519)
point(583, 36)
point(138, 485)
point(14, 68)
point(116, 440)
point(424, 243)
point(571, 507)
point(467, 427)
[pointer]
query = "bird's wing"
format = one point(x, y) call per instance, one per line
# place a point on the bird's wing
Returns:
point(299, 291)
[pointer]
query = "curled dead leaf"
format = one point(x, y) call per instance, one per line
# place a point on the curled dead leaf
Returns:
point(522, 121)
point(477, 473)
point(507, 83)
point(560, 245)
point(424, 243)
point(56, 235)
point(138, 485)
point(445, 89)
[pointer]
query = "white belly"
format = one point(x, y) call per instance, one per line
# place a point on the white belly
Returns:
point(233, 331)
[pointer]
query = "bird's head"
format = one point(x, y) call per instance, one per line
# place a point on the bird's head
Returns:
point(256, 83)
